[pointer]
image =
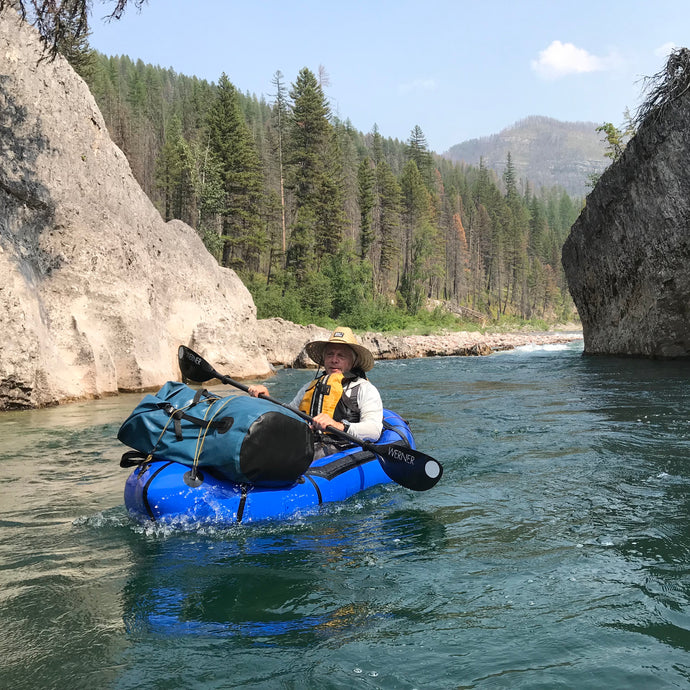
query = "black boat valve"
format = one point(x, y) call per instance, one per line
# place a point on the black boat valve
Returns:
point(193, 478)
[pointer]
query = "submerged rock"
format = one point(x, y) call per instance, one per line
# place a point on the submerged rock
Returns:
point(627, 258)
point(96, 290)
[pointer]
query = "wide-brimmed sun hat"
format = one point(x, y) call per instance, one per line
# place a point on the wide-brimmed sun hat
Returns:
point(343, 336)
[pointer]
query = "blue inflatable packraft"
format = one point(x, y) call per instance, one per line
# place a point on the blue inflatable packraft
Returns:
point(166, 490)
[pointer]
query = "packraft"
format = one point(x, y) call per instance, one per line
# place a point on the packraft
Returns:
point(244, 439)
point(159, 490)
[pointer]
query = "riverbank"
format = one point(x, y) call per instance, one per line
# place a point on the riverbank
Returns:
point(462, 343)
point(276, 343)
point(283, 342)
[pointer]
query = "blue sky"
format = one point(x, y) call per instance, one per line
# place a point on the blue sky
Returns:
point(459, 70)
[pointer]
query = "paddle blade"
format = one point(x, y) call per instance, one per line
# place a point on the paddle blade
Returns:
point(409, 467)
point(193, 366)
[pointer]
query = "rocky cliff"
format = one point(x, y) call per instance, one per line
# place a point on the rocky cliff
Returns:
point(627, 258)
point(96, 291)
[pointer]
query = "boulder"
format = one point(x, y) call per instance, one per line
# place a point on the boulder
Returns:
point(627, 258)
point(96, 290)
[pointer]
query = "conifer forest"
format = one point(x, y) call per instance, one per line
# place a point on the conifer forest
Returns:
point(323, 222)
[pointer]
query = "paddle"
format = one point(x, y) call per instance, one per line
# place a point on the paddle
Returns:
point(406, 466)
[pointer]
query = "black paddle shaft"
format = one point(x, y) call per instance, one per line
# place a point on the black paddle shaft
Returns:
point(406, 466)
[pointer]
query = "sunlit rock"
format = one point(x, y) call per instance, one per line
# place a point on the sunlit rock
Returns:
point(96, 291)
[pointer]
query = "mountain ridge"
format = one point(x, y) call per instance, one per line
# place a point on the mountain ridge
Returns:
point(544, 152)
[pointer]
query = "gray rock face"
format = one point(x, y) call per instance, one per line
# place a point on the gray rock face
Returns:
point(627, 259)
point(96, 291)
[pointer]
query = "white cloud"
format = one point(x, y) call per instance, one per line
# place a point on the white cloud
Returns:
point(561, 59)
point(665, 49)
point(417, 85)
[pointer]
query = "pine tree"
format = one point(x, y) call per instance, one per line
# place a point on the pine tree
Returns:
point(387, 225)
point(174, 175)
point(233, 148)
point(328, 206)
point(280, 115)
point(309, 132)
point(377, 146)
point(366, 180)
point(514, 240)
point(419, 235)
point(73, 44)
point(538, 228)
point(460, 259)
point(510, 178)
point(482, 253)
point(418, 151)
point(309, 158)
point(350, 149)
point(615, 140)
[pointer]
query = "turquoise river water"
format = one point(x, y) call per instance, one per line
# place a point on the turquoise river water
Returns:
point(554, 553)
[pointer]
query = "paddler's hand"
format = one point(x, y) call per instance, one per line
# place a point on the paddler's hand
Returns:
point(322, 420)
point(257, 390)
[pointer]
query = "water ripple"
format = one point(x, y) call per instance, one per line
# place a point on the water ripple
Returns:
point(554, 552)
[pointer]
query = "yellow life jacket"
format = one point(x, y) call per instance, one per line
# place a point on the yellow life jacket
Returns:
point(325, 394)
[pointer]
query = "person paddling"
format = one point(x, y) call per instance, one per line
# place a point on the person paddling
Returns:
point(341, 396)
point(403, 463)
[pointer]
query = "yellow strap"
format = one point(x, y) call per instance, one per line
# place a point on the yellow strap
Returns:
point(203, 431)
point(184, 409)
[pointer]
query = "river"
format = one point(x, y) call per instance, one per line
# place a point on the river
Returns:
point(553, 553)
